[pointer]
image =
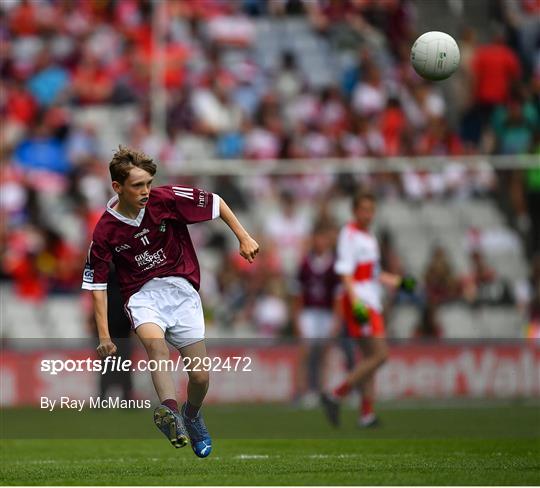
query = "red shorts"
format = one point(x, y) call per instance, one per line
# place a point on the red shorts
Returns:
point(374, 327)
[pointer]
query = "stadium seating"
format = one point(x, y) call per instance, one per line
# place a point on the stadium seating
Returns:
point(416, 229)
point(57, 317)
point(403, 320)
point(458, 218)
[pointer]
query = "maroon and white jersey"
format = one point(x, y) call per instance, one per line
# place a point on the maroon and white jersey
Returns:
point(318, 280)
point(153, 245)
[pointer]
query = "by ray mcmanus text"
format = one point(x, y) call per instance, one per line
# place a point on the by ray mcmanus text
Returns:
point(79, 405)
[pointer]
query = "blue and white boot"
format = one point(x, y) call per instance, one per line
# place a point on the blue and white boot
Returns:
point(201, 442)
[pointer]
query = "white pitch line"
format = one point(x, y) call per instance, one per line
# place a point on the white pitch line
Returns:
point(252, 456)
point(37, 461)
point(328, 456)
point(74, 461)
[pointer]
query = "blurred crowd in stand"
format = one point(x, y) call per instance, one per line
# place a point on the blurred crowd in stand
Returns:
point(62, 58)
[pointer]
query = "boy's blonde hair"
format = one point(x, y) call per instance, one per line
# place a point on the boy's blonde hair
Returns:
point(124, 159)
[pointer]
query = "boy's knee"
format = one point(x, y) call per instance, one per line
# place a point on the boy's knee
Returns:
point(382, 355)
point(199, 377)
point(379, 353)
point(157, 349)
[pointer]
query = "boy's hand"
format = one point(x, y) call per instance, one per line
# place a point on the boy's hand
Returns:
point(249, 248)
point(106, 348)
point(360, 312)
point(408, 284)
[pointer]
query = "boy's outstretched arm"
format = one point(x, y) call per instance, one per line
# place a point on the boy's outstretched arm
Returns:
point(248, 246)
point(406, 283)
point(106, 346)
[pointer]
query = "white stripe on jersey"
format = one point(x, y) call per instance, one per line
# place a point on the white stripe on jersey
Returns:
point(184, 196)
point(94, 286)
point(90, 250)
point(182, 189)
point(183, 192)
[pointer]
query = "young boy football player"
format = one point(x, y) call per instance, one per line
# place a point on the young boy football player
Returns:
point(144, 232)
point(358, 264)
point(313, 317)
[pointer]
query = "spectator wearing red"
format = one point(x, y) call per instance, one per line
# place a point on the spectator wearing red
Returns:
point(24, 20)
point(20, 105)
point(439, 140)
point(19, 263)
point(91, 83)
point(58, 262)
point(495, 68)
point(393, 124)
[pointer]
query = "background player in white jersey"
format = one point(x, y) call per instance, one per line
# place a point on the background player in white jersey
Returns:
point(144, 232)
point(358, 264)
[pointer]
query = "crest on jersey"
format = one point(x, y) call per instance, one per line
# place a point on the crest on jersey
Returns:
point(163, 226)
point(88, 275)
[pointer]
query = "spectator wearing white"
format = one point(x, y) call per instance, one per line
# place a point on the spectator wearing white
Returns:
point(370, 95)
point(422, 104)
point(304, 107)
point(215, 110)
point(232, 30)
point(288, 81)
point(288, 229)
point(363, 139)
point(264, 141)
point(270, 311)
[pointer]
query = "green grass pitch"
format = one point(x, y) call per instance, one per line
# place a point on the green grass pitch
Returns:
point(476, 444)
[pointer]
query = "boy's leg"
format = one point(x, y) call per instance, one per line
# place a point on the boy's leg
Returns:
point(302, 369)
point(201, 442)
point(153, 340)
point(314, 360)
point(198, 379)
point(367, 416)
point(166, 415)
point(375, 351)
point(366, 413)
point(375, 354)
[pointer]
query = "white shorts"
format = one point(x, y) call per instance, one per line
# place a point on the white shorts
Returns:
point(315, 323)
point(174, 305)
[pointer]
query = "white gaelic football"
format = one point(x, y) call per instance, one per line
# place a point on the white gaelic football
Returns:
point(435, 55)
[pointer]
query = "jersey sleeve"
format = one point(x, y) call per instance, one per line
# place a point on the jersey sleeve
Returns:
point(96, 268)
point(345, 260)
point(336, 281)
point(192, 205)
point(299, 280)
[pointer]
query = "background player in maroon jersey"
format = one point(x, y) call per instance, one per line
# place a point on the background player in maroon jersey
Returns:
point(314, 320)
point(144, 232)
